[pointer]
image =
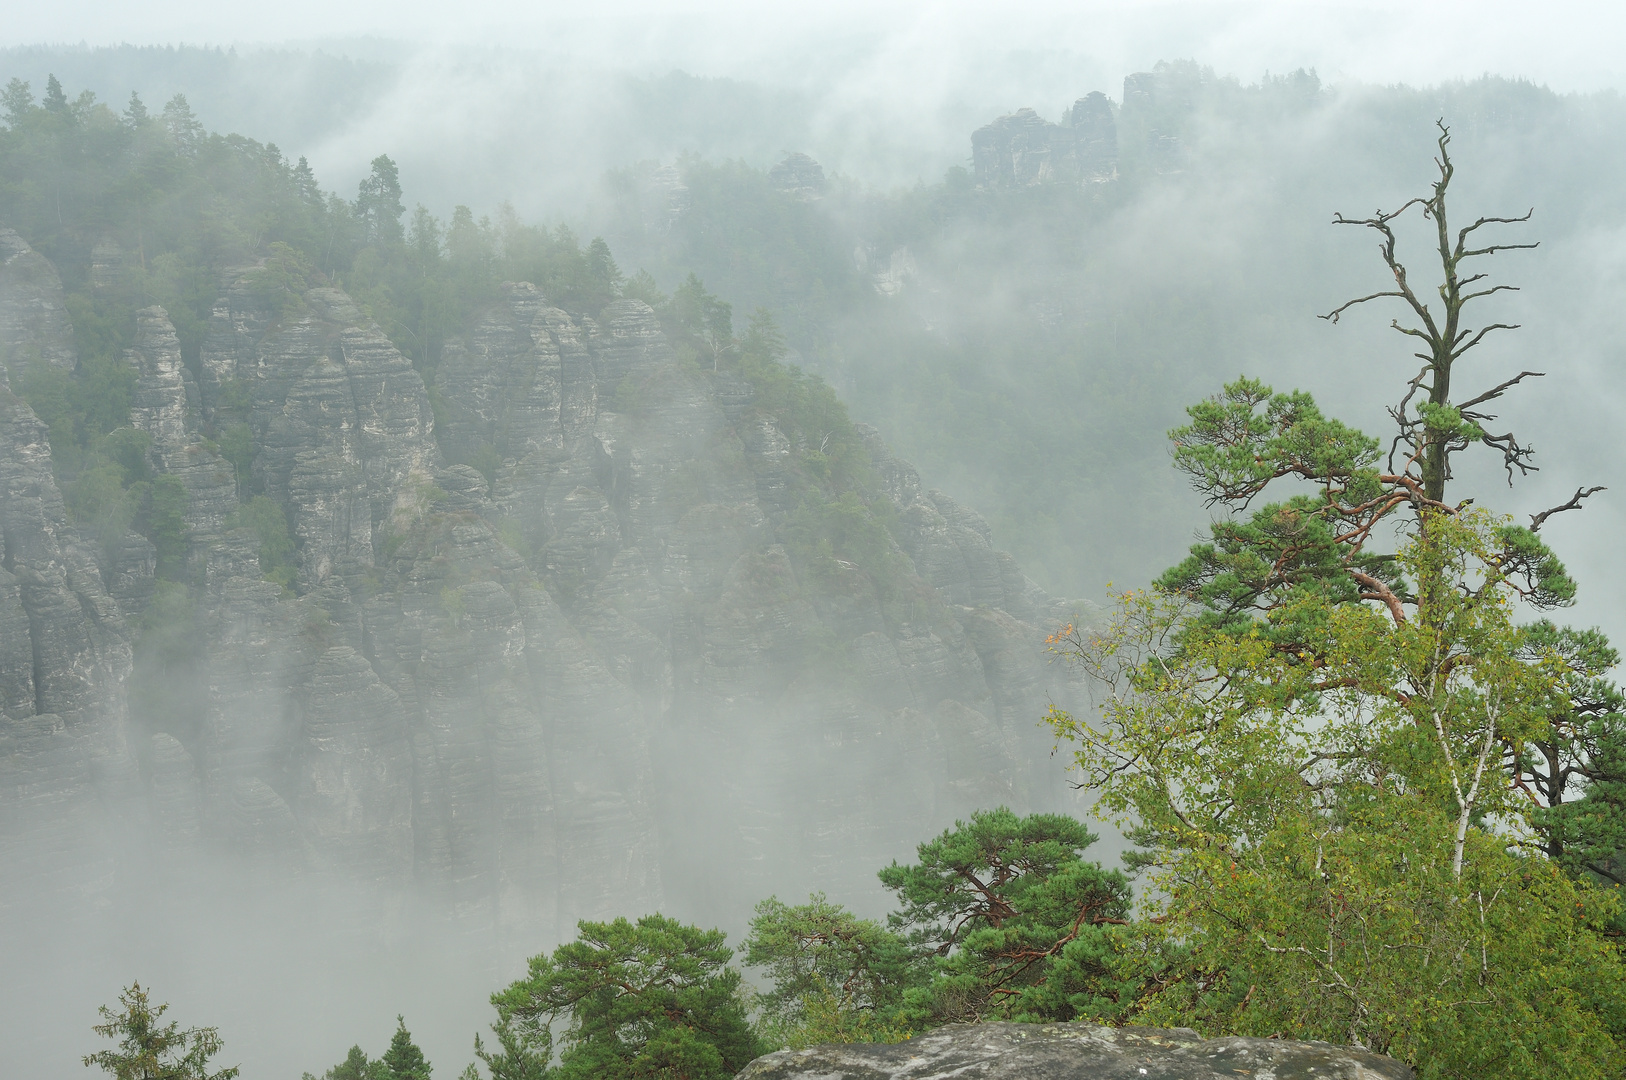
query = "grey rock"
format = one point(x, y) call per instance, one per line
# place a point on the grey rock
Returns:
point(663, 197)
point(628, 343)
point(34, 323)
point(798, 176)
point(176, 796)
point(256, 822)
point(106, 264)
point(16, 652)
point(353, 793)
point(1158, 100)
point(504, 385)
point(539, 684)
point(158, 405)
point(163, 407)
point(75, 631)
point(257, 656)
point(130, 566)
point(51, 841)
point(1075, 1052)
point(1025, 150)
point(344, 433)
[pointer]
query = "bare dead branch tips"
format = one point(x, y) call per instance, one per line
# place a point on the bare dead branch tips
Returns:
point(1514, 456)
point(1477, 338)
point(1462, 234)
point(1332, 316)
point(1536, 520)
point(1497, 390)
point(1379, 218)
point(1484, 292)
point(1494, 248)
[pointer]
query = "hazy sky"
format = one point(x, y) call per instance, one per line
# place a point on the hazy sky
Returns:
point(1568, 44)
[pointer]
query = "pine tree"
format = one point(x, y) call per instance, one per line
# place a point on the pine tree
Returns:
point(405, 1060)
point(184, 128)
point(378, 203)
point(55, 100)
point(150, 1050)
point(135, 113)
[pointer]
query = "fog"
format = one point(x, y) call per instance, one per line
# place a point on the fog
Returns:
point(1027, 363)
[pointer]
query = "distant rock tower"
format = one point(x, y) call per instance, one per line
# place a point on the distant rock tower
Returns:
point(1024, 150)
point(798, 176)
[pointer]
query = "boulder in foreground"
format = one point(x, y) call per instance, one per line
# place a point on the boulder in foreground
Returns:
point(1075, 1052)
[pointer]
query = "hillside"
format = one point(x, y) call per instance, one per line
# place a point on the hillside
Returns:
point(668, 641)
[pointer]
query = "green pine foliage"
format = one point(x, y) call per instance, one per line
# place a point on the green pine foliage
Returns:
point(1018, 924)
point(183, 207)
point(835, 977)
point(1374, 806)
point(651, 998)
point(148, 1049)
point(403, 1058)
point(401, 1061)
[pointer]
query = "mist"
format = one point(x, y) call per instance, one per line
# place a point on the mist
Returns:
point(679, 701)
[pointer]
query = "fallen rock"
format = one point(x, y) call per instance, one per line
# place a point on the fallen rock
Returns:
point(1078, 1051)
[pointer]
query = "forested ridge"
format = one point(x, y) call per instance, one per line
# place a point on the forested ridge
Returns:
point(174, 207)
point(1371, 785)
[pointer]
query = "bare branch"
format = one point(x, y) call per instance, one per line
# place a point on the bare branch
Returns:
point(1379, 218)
point(1332, 316)
point(1475, 340)
point(1496, 391)
point(1485, 292)
point(1462, 234)
point(1494, 248)
point(1514, 456)
point(1536, 520)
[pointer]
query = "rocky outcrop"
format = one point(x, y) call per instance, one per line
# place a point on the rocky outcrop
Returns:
point(176, 797)
point(662, 197)
point(1075, 1052)
point(66, 767)
point(34, 324)
point(592, 669)
point(1158, 106)
point(1024, 150)
point(798, 176)
point(779, 707)
point(64, 655)
point(890, 275)
point(165, 404)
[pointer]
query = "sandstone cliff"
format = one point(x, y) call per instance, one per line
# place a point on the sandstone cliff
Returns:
point(65, 760)
point(1023, 149)
point(595, 678)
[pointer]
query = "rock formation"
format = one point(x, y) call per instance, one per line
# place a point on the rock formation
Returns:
point(33, 317)
point(65, 761)
point(798, 176)
point(1075, 1052)
point(590, 677)
point(1023, 149)
point(1157, 107)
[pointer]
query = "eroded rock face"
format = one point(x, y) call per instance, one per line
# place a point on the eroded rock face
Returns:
point(165, 406)
point(34, 322)
point(1024, 150)
point(1075, 1052)
point(795, 725)
point(586, 673)
point(66, 768)
point(798, 176)
point(64, 655)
